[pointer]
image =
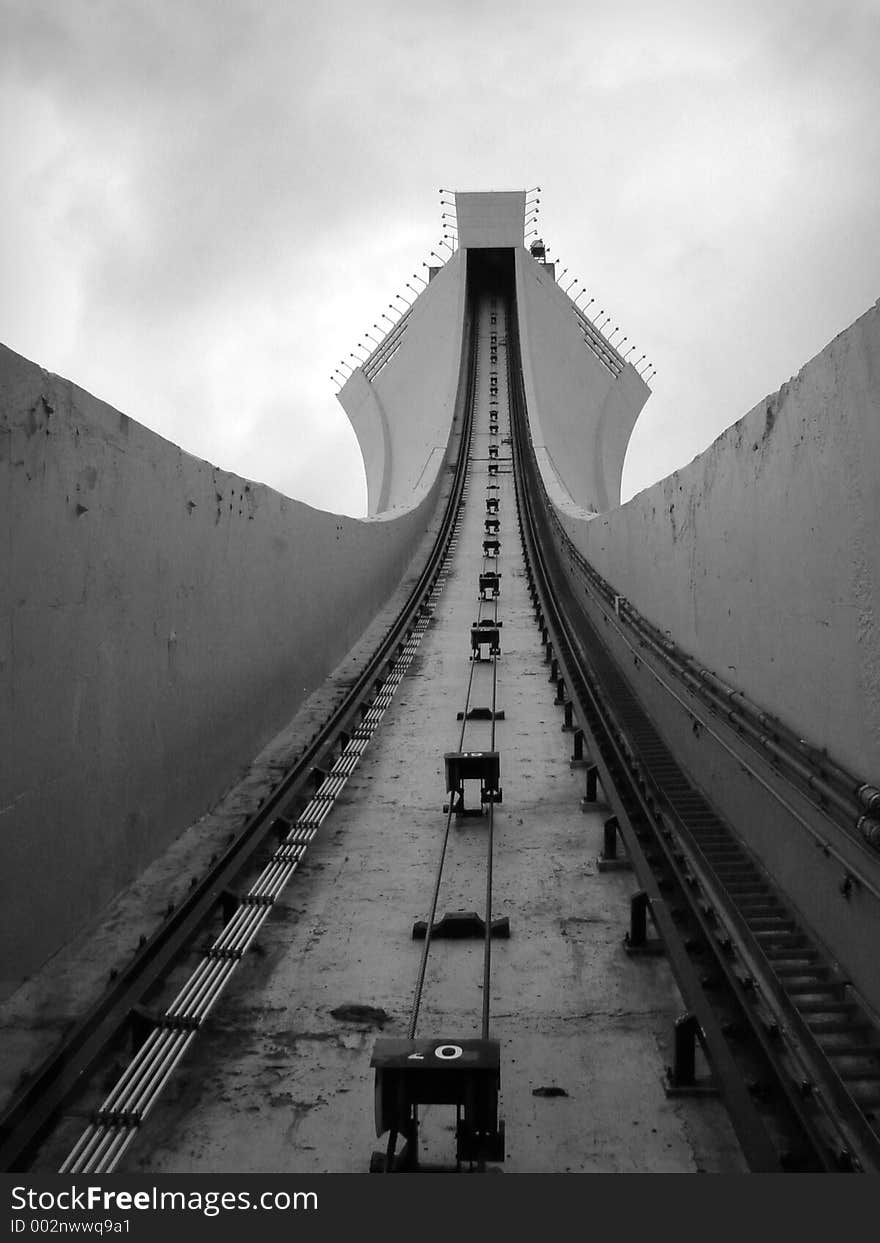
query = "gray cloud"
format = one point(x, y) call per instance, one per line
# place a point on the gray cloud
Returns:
point(212, 203)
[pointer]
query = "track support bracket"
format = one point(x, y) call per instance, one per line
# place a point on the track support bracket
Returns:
point(609, 860)
point(681, 1078)
point(460, 926)
point(637, 942)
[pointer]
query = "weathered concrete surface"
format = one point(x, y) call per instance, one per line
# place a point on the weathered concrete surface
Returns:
point(35, 1017)
point(762, 556)
point(276, 1082)
point(159, 620)
point(581, 413)
point(402, 416)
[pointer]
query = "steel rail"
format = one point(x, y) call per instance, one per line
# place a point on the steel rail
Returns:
point(835, 1126)
point(30, 1114)
point(435, 893)
point(490, 844)
point(133, 1098)
point(421, 974)
point(758, 1146)
point(135, 1095)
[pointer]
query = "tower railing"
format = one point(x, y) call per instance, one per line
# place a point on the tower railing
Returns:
point(386, 348)
point(606, 353)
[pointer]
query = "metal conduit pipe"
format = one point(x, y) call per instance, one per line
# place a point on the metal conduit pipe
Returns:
point(744, 721)
point(114, 1153)
point(120, 1101)
point(752, 716)
point(775, 726)
point(159, 1084)
point(97, 1140)
point(750, 722)
point(781, 742)
point(128, 1078)
point(208, 973)
point(154, 1074)
point(853, 797)
point(203, 978)
point(73, 1157)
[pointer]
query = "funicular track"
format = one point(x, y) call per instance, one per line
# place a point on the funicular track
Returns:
point(793, 1053)
point(291, 816)
point(412, 1073)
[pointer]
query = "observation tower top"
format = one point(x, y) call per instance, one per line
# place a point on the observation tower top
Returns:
point(490, 219)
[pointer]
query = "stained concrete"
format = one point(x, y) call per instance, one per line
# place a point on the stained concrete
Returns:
point(36, 1015)
point(761, 557)
point(160, 620)
point(276, 1081)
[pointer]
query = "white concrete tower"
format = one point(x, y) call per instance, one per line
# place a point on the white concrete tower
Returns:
point(583, 398)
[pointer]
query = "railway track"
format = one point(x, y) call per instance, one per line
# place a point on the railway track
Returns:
point(792, 1051)
point(479, 1132)
point(337, 746)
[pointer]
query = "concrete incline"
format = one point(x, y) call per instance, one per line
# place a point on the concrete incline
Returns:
point(280, 1078)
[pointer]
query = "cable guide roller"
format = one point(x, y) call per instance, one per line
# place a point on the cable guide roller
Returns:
point(482, 766)
point(485, 632)
point(490, 586)
point(439, 1071)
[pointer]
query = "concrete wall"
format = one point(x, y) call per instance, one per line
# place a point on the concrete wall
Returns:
point(762, 557)
point(160, 619)
point(402, 417)
point(581, 413)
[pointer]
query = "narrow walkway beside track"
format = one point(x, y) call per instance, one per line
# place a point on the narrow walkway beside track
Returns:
point(280, 1079)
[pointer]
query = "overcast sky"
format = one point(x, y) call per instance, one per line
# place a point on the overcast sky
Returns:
point(208, 202)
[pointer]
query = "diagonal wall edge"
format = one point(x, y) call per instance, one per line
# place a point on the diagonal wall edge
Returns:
point(160, 619)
